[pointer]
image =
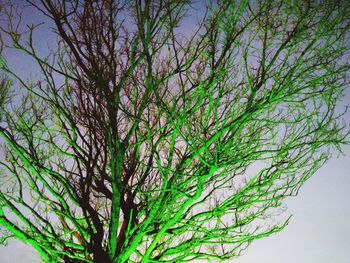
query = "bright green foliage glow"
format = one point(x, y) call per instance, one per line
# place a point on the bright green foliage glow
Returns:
point(144, 141)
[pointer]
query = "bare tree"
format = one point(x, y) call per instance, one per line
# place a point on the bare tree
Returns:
point(145, 141)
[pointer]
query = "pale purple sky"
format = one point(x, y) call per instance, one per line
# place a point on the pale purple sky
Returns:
point(319, 231)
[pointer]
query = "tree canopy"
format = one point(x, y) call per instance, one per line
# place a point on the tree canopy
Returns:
point(152, 132)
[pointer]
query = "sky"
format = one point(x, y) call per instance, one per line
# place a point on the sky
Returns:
point(318, 232)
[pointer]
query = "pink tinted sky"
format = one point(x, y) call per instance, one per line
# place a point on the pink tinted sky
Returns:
point(319, 231)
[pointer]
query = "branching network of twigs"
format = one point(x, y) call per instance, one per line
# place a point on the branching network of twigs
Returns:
point(152, 132)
